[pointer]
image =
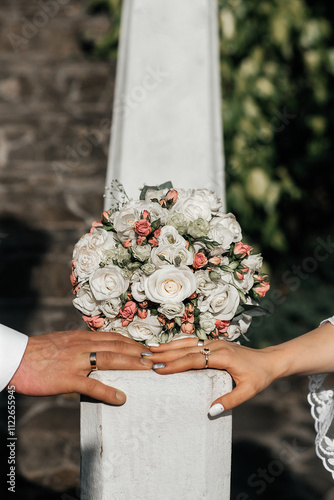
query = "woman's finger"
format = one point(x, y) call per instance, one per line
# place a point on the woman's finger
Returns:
point(176, 344)
point(240, 394)
point(192, 360)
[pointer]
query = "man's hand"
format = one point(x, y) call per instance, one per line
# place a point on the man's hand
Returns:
point(58, 363)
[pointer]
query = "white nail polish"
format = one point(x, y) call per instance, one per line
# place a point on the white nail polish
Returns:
point(158, 365)
point(147, 354)
point(216, 410)
point(153, 345)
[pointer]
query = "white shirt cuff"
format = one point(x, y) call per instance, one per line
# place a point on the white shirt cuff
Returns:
point(12, 347)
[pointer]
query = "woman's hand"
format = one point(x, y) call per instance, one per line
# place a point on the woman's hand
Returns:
point(252, 369)
point(58, 363)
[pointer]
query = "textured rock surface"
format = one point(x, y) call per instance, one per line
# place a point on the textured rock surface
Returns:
point(51, 99)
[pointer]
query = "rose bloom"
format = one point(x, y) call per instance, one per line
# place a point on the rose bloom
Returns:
point(242, 249)
point(142, 313)
point(143, 227)
point(262, 288)
point(128, 311)
point(222, 326)
point(172, 195)
point(85, 302)
point(147, 329)
point(199, 260)
point(94, 322)
point(170, 284)
point(187, 328)
point(108, 283)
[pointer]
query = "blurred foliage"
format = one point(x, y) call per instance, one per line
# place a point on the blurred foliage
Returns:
point(277, 68)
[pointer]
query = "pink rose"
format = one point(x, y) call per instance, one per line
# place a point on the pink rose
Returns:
point(94, 322)
point(241, 249)
point(142, 313)
point(215, 260)
point(187, 317)
point(222, 326)
point(262, 288)
point(187, 328)
point(146, 215)
point(157, 232)
point(128, 311)
point(153, 242)
point(172, 195)
point(94, 225)
point(143, 227)
point(127, 243)
point(199, 260)
point(141, 240)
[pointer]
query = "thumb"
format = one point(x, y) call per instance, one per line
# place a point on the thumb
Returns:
point(239, 395)
point(96, 390)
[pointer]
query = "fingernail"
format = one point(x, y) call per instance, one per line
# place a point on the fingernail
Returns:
point(153, 345)
point(146, 361)
point(121, 396)
point(216, 410)
point(158, 365)
point(147, 354)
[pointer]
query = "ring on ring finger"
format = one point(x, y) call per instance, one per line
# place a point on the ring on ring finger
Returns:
point(206, 352)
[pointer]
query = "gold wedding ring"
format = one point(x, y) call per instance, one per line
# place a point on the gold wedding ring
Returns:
point(206, 352)
point(92, 359)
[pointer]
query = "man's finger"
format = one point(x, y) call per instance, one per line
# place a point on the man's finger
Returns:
point(106, 360)
point(130, 349)
point(96, 390)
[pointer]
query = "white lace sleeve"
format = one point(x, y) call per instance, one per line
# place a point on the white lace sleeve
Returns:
point(322, 409)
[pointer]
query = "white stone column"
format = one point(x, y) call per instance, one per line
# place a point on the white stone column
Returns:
point(167, 122)
point(160, 444)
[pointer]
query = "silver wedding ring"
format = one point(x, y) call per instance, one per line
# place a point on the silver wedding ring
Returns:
point(92, 360)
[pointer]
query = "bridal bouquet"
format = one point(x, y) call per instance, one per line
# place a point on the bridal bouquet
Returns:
point(167, 266)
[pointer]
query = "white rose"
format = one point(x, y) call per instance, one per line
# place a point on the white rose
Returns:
point(233, 332)
point(182, 256)
point(124, 221)
point(246, 283)
point(195, 206)
point(170, 236)
point(147, 329)
point(85, 302)
point(82, 243)
point(102, 238)
point(155, 194)
point(141, 252)
point(110, 307)
point(204, 285)
point(207, 322)
point(114, 324)
point(164, 251)
point(215, 203)
point(108, 283)
point(88, 260)
point(172, 309)
point(223, 302)
point(137, 287)
point(170, 284)
point(172, 254)
point(254, 262)
point(156, 211)
point(225, 230)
